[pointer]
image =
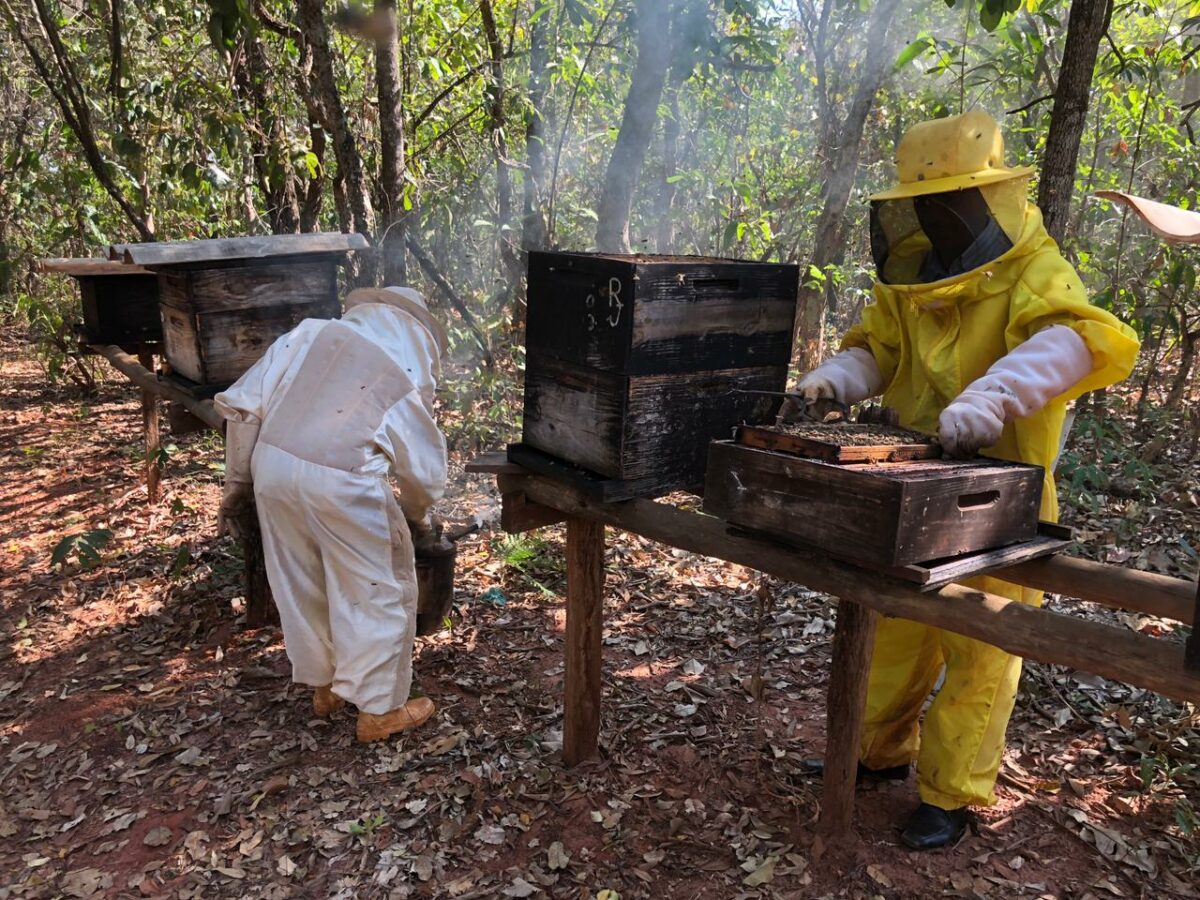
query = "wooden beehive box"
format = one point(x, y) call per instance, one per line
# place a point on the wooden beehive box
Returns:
point(880, 514)
point(633, 363)
point(223, 302)
point(118, 303)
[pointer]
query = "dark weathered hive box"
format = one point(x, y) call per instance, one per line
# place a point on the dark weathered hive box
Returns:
point(218, 322)
point(634, 363)
point(648, 315)
point(119, 303)
point(884, 514)
point(223, 302)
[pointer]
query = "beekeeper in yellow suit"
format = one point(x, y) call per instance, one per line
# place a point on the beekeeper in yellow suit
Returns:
point(312, 430)
point(980, 333)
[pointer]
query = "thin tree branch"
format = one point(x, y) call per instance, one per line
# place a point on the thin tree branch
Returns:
point(430, 268)
point(1029, 105)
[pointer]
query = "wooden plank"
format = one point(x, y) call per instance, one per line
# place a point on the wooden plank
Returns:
point(150, 427)
point(1038, 634)
point(605, 490)
point(1191, 657)
point(91, 266)
point(518, 515)
point(830, 451)
point(1113, 586)
point(853, 641)
point(585, 621)
point(936, 573)
point(179, 253)
point(494, 462)
point(139, 375)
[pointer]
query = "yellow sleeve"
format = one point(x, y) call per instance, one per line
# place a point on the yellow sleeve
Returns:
point(878, 332)
point(1050, 293)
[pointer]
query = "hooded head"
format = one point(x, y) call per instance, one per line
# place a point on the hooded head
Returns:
point(406, 300)
point(953, 185)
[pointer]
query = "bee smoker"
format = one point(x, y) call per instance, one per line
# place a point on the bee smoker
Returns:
point(435, 581)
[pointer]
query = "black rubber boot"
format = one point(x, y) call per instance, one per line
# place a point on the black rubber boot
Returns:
point(930, 827)
point(816, 768)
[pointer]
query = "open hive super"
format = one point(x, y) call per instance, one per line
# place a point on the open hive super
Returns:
point(871, 494)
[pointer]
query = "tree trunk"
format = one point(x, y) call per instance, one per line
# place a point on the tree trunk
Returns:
point(64, 84)
point(391, 144)
point(1089, 20)
point(321, 92)
point(841, 168)
point(494, 98)
point(637, 126)
point(666, 196)
point(272, 167)
point(533, 229)
point(1183, 381)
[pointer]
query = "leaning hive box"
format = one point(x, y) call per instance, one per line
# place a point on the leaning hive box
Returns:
point(223, 302)
point(118, 303)
point(633, 363)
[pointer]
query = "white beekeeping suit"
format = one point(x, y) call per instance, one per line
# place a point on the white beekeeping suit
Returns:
point(316, 425)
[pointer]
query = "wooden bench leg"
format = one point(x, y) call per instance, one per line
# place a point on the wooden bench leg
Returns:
point(852, 644)
point(585, 620)
point(150, 427)
point(1191, 653)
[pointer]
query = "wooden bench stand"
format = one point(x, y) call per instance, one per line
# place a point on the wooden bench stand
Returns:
point(531, 501)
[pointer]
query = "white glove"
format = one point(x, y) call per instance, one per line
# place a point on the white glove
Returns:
point(240, 438)
point(849, 377)
point(1018, 384)
point(235, 500)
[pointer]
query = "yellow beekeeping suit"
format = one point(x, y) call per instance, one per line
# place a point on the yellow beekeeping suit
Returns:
point(930, 342)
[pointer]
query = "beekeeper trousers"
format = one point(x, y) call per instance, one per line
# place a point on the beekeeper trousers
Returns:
point(958, 754)
point(339, 558)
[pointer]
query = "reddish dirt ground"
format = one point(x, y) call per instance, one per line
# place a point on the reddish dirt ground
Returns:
point(152, 745)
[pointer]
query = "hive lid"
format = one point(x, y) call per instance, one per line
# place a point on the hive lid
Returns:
point(88, 266)
point(221, 250)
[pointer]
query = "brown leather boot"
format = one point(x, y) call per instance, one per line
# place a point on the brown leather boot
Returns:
point(413, 713)
point(326, 702)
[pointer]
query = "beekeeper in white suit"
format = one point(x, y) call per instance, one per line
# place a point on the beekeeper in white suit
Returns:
point(313, 429)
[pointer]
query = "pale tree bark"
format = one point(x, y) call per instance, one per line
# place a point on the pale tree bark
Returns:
point(391, 144)
point(58, 72)
point(494, 98)
point(533, 230)
point(637, 126)
point(666, 195)
point(271, 166)
point(841, 156)
point(1089, 20)
point(321, 93)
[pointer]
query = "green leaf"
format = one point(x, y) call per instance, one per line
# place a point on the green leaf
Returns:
point(913, 50)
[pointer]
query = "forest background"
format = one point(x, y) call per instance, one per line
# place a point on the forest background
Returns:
point(459, 134)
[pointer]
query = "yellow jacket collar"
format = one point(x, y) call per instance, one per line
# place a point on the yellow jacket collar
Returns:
point(997, 275)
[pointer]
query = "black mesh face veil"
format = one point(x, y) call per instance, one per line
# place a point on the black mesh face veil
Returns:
point(930, 238)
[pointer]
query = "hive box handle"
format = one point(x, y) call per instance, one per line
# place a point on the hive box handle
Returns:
point(714, 285)
point(981, 500)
